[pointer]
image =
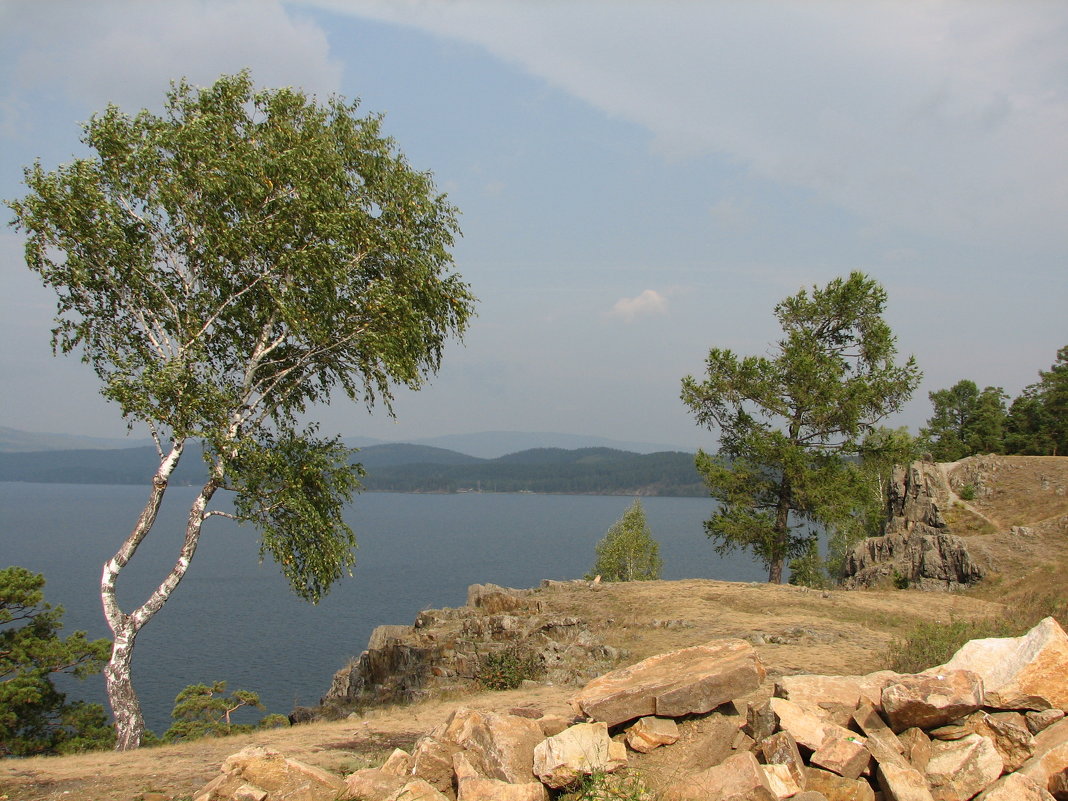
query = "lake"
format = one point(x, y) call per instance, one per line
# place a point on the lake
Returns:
point(235, 619)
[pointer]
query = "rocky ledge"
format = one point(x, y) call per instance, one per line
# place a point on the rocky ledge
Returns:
point(688, 725)
point(444, 649)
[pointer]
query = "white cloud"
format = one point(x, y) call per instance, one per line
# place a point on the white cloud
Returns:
point(946, 118)
point(128, 52)
point(648, 303)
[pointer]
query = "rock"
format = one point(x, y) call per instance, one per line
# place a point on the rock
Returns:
point(1008, 731)
point(960, 769)
point(473, 786)
point(432, 761)
point(761, 721)
point(931, 699)
point(256, 773)
point(836, 788)
point(494, 600)
point(917, 747)
point(1028, 672)
point(916, 546)
point(692, 680)
point(782, 782)
point(846, 756)
point(399, 763)
point(739, 776)
point(373, 784)
point(781, 749)
point(502, 746)
point(1051, 755)
point(881, 740)
point(418, 790)
point(553, 724)
point(847, 691)
point(809, 795)
point(903, 783)
point(1040, 720)
point(807, 728)
point(1014, 787)
point(580, 750)
point(651, 732)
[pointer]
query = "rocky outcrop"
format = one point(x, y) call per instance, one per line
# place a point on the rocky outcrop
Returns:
point(916, 548)
point(443, 650)
point(933, 736)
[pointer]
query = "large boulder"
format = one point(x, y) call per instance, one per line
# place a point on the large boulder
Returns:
point(1028, 672)
point(266, 774)
point(738, 776)
point(688, 681)
point(960, 769)
point(500, 746)
point(932, 699)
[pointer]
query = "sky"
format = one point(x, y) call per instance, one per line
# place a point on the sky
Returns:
point(638, 181)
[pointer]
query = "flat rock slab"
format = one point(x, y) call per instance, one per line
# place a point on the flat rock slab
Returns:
point(932, 699)
point(689, 681)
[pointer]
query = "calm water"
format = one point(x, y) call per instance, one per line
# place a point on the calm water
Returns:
point(235, 619)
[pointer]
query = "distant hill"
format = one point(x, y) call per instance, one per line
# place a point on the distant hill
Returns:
point(12, 440)
point(492, 444)
point(405, 468)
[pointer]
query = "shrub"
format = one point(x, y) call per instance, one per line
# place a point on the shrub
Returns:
point(628, 551)
point(205, 711)
point(508, 668)
point(967, 492)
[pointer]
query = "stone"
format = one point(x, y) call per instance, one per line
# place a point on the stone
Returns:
point(903, 783)
point(739, 776)
point(1039, 720)
point(846, 756)
point(399, 763)
point(916, 544)
point(781, 749)
point(761, 721)
point(256, 769)
point(373, 784)
point(1008, 731)
point(652, 732)
point(1051, 754)
point(1014, 787)
point(917, 747)
point(582, 749)
point(432, 761)
point(483, 789)
point(804, 726)
point(782, 782)
point(553, 724)
point(809, 795)
point(1028, 672)
point(846, 691)
point(494, 600)
point(882, 743)
point(960, 769)
point(931, 699)
point(742, 742)
point(418, 790)
point(689, 681)
point(502, 746)
point(246, 792)
point(837, 788)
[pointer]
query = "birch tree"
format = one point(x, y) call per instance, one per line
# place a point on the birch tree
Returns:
point(222, 267)
point(788, 420)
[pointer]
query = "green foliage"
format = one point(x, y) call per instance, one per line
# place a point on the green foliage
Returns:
point(809, 570)
point(35, 718)
point(205, 711)
point(600, 786)
point(966, 421)
point(224, 266)
point(967, 492)
point(786, 422)
point(1037, 423)
point(628, 551)
point(507, 668)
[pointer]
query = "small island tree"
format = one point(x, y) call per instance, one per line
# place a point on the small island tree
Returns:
point(628, 551)
point(788, 421)
point(222, 267)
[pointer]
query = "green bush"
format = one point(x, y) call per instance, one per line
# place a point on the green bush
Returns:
point(205, 711)
point(508, 668)
point(628, 551)
point(967, 492)
point(930, 644)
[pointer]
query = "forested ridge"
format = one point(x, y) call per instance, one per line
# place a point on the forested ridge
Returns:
point(408, 468)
